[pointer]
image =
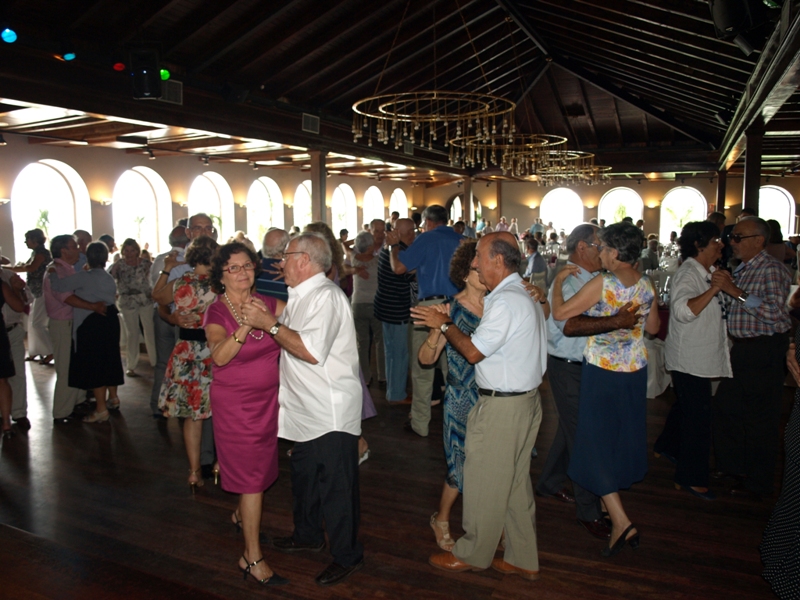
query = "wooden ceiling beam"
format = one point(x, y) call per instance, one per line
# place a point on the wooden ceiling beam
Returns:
point(588, 109)
point(561, 109)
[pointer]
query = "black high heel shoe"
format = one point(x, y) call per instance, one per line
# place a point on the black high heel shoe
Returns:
point(610, 551)
point(274, 580)
point(237, 522)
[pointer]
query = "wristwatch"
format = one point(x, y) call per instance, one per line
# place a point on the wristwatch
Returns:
point(445, 327)
point(273, 331)
point(742, 297)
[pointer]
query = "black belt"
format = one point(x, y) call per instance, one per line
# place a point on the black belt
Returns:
point(496, 394)
point(193, 335)
point(566, 360)
point(433, 298)
point(11, 327)
point(749, 340)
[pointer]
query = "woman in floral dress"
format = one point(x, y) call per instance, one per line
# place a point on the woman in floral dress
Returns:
point(187, 379)
point(39, 343)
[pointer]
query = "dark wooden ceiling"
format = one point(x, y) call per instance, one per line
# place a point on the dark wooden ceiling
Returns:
point(645, 85)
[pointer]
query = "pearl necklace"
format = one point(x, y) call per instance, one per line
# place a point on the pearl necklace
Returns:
point(239, 321)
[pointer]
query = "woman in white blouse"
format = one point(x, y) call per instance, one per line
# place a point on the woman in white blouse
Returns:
point(696, 352)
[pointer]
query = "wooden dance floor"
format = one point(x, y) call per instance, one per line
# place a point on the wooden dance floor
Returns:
point(104, 511)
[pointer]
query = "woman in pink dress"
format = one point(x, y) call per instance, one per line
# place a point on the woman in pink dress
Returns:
point(244, 397)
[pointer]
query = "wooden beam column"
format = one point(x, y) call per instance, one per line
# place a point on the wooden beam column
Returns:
point(752, 167)
point(722, 186)
point(319, 175)
point(467, 196)
point(499, 190)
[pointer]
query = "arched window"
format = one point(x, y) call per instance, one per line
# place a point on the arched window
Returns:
point(142, 209)
point(51, 196)
point(776, 203)
point(398, 202)
point(563, 208)
point(373, 205)
point(302, 204)
point(619, 203)
point(211, 194)
point(680, 206)
point(456, 209)
point(264, 208)
point(344, 212)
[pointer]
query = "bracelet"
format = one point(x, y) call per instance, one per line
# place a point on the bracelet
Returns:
point(163, 272)
point(428, 344)
point(236, 339)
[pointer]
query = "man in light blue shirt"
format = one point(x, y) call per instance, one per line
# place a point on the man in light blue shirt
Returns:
point(566, 341)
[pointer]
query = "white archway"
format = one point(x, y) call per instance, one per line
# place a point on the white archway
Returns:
point(774, 202)
point(302, 205)
point(51, 196)
point(399, 202)
point(680, 205)
point(264, 208)
point(142, 209)
point(211, 194)
point(373, 205)
point(563, 208)
point(618, 203)
point(456, 209)
point(344, 211)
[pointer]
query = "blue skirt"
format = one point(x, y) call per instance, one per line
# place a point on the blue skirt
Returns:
point(610, 450)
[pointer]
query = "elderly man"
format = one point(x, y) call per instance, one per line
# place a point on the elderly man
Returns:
point(59, 308)
point(508, 351)
point(270, 281)
point(320, 406)
point(648, 259)
point(16, 337)
point(369, 331)
point(565, 355)
point(429, 256)
point(747, 408)
point(166, 334)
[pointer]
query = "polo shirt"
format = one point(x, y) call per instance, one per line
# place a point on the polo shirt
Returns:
point(270, 281)
point(430, 256)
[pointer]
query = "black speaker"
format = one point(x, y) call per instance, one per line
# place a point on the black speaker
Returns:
point(731, 17)
point(145, 74)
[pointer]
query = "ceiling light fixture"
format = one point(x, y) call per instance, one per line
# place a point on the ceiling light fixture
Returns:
point(8, 35)
point(2, 140)
point(150, 154)
point(205, 161)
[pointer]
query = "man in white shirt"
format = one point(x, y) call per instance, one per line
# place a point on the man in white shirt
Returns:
point(320, 406)
point(509, 351)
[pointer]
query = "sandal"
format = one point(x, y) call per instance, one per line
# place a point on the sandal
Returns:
point(112, 403)
point(96, 417)
point(198, 481)
point(274, 579)
point(237, 522)
point(441, 530)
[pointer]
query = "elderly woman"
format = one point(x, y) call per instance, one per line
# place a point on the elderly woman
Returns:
point(696, 352)
point(185, 389)
point(369, 330)
point(461, 392)
point(244, 397)
point(39, 344)
point(7, 370)
point(95, 363)
point(132, 275)
point(610, 451)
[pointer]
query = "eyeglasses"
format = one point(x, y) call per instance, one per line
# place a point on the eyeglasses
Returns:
point(735, 237)
point(201, 229)
point(248, 266)
point(598, 246)
point(286, 254)
point(717, 240)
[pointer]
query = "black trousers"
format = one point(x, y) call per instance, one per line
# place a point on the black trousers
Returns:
point(747, 411)
point(687, 432)
point(325, 490)
point(565, 383)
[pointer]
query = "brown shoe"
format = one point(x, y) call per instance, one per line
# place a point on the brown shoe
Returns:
point(498, 564)
point(598, 528)
point(446, 561)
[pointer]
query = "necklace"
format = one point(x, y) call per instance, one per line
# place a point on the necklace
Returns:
point(238, 320)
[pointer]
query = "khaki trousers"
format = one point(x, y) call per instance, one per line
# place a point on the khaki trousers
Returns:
point(64, 397)
point(422, 376)
point(498, 494)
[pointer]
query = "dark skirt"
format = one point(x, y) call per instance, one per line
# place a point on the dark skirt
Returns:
point(6, 362)
point(95, 360)
point(610, 450)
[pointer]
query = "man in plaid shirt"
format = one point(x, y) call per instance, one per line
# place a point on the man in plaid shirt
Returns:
point(747, 408)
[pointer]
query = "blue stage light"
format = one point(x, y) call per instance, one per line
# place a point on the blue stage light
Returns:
point(9, 36)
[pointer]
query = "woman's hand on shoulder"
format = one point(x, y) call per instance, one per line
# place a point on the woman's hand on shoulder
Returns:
point(565, 272)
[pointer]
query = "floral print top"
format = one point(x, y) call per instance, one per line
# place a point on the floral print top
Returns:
point(36, 278)
point(133, 284)
point(622, 349)
point(193, 294)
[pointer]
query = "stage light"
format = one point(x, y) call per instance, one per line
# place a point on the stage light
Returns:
point(9, 36)
point(68, 56)
point(119, 66)
point(164, 74)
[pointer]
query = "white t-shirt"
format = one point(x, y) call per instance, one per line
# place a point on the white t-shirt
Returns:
point(512, 336)
point(325, 397)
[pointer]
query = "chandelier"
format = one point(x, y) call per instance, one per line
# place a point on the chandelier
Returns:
point(498, 150)
point(426, 116)
point(559, 167)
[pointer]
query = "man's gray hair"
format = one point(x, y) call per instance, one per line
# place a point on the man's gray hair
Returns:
point(364, 241)
point(58, 243)
point(194, 216)
point(762, 228)
point(582, 233)
point(435, 214)
point(178, 237)
point(281, 239)
point(316, 246)
point(510, 253)
point(374, 222)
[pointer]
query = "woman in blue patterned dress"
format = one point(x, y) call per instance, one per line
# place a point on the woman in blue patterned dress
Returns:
point(461, 393)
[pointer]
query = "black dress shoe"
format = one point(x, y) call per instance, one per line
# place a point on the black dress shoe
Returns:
point(62, 420)
point(337, 573)
point(598, 528)
point(287, 544)
point(23, 424)
point(561, 495)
